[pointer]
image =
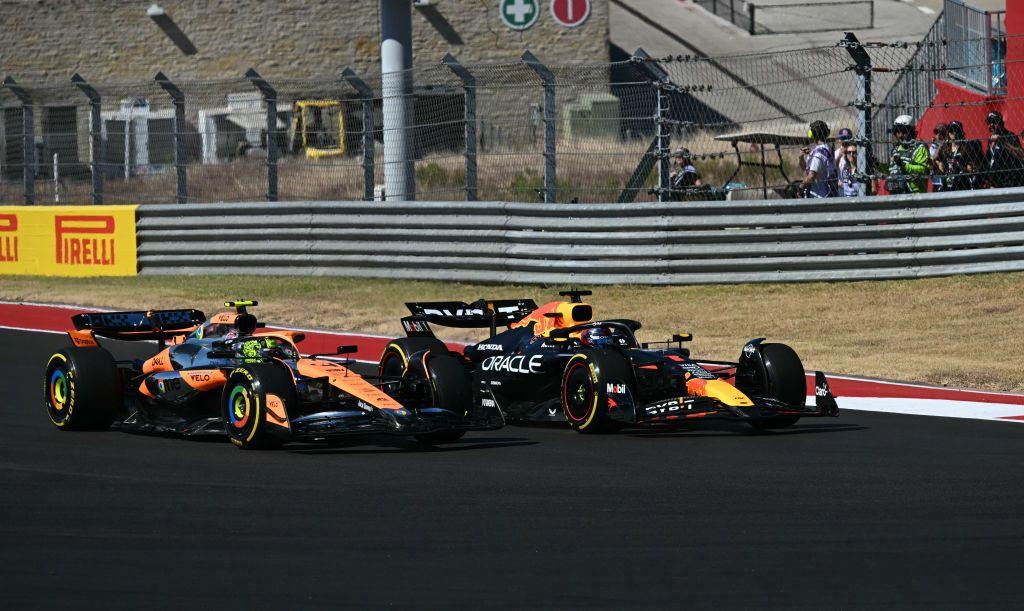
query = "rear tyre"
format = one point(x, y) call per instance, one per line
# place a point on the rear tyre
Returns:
point(395, 358)
point(82, 389)
point(244, 404)
point(786, 382)
point(451, 389)
point(585, 389)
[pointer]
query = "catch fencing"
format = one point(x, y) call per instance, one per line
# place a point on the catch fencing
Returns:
point(514, 131)
point(908, 236)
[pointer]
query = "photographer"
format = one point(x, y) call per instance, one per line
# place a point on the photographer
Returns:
point(961, 160)
point(1005, 155)
point(909, 162)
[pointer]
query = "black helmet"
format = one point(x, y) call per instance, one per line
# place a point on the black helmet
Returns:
point(956, 129)
point(818, 130)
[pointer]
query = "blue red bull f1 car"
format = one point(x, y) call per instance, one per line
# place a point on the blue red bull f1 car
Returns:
point(554, 363)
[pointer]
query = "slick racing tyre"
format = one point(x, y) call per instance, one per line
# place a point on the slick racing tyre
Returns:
point(585, 388)
point(786, 382)
point(395, 358)
point(251, 423)
point(82, 389)
point(451, 389)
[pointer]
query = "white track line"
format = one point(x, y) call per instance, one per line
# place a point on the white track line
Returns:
point(971, 410)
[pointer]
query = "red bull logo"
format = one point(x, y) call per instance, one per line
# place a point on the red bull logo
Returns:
point(81, 241)
point(8, 242)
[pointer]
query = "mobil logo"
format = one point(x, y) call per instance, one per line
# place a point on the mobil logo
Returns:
point(570, 13)
point(85, 239)
point(8, 238)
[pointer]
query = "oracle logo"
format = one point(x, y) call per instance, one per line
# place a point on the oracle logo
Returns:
point(80, 241)
point(8, 243)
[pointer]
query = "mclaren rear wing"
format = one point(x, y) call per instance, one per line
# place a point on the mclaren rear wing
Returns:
point(481, 314)
point(138, 325)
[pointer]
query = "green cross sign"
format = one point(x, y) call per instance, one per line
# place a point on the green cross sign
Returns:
point(519, 14)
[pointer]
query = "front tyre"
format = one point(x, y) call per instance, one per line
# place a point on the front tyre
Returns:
point(784, 374)
point(395, 358)
point(255, 404)
point(585, 388)
point(82, 389)
point(451, 389)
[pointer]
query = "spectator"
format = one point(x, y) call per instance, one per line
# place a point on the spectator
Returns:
point(821, 179)
point(937, 152)
point(1005, 155)
point(687, 175)
point(909, 162)
point(961, 160)
point(685, 181)
point(849, 184)
point(843, 139)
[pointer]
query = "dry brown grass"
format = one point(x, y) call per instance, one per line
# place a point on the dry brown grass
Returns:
point(962, 331)
point(591, 169)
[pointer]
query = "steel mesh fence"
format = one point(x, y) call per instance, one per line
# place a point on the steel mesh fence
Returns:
point(517, 130)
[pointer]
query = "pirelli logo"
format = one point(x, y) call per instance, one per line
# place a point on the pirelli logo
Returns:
point(68, 240)
point(8, 238)
point(85, 239)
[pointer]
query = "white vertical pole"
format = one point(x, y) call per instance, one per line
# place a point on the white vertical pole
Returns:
point(56, 179)
point(396, 89)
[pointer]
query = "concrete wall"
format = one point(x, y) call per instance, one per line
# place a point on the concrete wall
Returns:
point(114, 40)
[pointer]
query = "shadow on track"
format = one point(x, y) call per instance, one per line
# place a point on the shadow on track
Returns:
point(733, 429)
point(401, 445)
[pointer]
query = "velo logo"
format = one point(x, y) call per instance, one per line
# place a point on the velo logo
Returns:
point(81, 241)
point(8, 243)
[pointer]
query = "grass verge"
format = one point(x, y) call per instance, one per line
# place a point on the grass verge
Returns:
point(961, 331)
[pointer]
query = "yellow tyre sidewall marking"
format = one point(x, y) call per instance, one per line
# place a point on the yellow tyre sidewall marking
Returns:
point(593, 378)
point(257, 410)
point(257, 415)
point(70, 390)
point(401, 353)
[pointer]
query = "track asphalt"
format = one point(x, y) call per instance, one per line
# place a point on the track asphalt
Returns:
point(868, 511)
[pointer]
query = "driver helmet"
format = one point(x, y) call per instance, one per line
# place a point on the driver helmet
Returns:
point(597, 336)
point(904, 124)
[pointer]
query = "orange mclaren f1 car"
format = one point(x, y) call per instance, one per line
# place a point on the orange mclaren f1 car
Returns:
point(230, 375)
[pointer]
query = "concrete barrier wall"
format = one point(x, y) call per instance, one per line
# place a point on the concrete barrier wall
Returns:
point(644, 243)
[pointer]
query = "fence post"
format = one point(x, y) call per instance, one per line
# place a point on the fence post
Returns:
point(751, 7)
point(28, 139)
point(865, 125)
point(270, 99)
point(368, 144)
point(178, 99)
point(550, 168)
point(95, 136)
point(663, 136)
point(469, 90)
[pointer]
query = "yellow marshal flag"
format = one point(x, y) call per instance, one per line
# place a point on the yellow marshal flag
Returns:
point(68, 240)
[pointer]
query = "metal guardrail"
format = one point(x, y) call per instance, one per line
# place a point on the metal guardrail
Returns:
point(646, 243)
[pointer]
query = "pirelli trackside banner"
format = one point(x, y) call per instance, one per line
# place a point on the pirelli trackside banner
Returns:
point(67, 240)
